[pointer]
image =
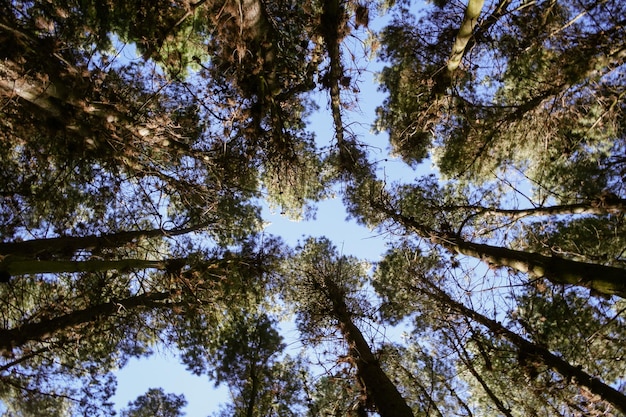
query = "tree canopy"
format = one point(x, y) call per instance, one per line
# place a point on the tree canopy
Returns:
point(140, 142)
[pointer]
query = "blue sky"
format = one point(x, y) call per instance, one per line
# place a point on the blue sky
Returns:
point(163, 370)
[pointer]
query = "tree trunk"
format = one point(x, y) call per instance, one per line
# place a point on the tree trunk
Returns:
point(600, 278)
point(331, 22)
point(12, 266)
point(379, 388)
point(68, 245)
point(603, 279)
point(599, 206)
point(567, 370)
point(17, 337)
point(465, 33)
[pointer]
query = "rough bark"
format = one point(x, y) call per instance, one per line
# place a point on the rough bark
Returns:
point(465, 32)
point(69, 245)
point(603, 279)
point(379, 388)
point(597, 207)
point(40, 331)
point(567, 370)
point(15, 266)
point(332, 23)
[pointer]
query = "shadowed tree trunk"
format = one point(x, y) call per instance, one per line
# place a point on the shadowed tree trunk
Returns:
point(12, 266)
point(68, 245)
point(378, 386)
point(530, 349)
point(40, 331)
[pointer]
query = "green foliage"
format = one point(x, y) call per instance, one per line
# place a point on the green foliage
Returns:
point(545, 104)
point(590, 239)
point(141, 137)
point(396, 277)
point(305, 274)
point(582, 330)
point(156, 403)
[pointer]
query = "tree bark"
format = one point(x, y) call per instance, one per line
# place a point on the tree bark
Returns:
point(597, 207)
point(567, 370)
point(331, 22)
point(15, 266)
point(68, 245)
point(465, 33)
point(19, 336)
point(603, 279)
point(379, 388)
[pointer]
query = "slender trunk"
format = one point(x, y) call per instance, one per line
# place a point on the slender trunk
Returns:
point(603, 279)
point(50, 96)
point(599, 207)
point(465, 33)
point(17, 337)
point(332, 22)
point(14, 266)
point(489, 21)
point(68, 245)
point(567, 370)
point(254, 388)
point(332, 18)
point(467, 361)
point(379, 388)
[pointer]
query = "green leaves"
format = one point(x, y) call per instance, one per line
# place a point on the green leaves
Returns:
point(138, 140)
point(156, 403)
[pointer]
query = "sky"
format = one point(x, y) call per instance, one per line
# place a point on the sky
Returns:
point(163, 369)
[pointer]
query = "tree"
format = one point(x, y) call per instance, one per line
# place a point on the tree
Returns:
point(412, 275)
point(429, 212)
point(550, 107)
point(139, 141)
point(74, 329)
point(248, 358)
point(156, 403)
point(325, 276)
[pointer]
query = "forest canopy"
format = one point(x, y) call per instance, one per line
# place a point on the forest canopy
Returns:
point(141, 140)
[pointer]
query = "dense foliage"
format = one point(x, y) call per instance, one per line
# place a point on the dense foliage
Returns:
point(139, 141)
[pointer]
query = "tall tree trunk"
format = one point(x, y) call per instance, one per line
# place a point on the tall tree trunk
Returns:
point(68, 245)
point(465, 32)
point(40, 331)
point(332, 22)
point(600, 206)
point(379, 388)
point(603, 279)
point(12, 266)
point(540, 353)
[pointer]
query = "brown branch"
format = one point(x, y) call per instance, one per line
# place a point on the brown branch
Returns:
point(383, 392)
point(603, 279)
point(567, 370)
point(40, 331)
point(68, 245)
